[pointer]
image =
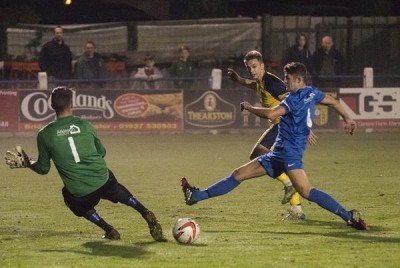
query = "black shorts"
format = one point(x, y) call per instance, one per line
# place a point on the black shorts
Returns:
point(267, 139)
point(112, 190)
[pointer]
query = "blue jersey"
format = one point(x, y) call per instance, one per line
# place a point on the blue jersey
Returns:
point(295, 125)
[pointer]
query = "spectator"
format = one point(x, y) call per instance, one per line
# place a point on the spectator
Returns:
point(327, 61)
point(183, 68)
point(56, 58)
point(299, 52)
point(148, 75)
point(90, 65)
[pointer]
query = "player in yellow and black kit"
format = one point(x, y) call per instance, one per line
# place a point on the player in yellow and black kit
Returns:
point(270, 90)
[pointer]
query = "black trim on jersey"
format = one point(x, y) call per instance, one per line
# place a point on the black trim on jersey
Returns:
point(274, 85)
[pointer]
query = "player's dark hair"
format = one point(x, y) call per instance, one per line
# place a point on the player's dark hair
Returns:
point(254, 54)
point(296, 69)
point(61, 98)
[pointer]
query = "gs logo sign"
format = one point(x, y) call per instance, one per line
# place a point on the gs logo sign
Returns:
point(371, 103)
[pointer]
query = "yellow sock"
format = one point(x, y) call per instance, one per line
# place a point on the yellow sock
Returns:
point(284, 179)
point(295, 200)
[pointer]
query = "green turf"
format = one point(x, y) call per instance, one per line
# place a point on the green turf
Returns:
point(242, 229)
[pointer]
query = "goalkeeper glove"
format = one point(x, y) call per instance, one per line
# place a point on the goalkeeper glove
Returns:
point(18, 159)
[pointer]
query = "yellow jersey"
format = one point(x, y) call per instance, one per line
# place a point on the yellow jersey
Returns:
point(271, 90)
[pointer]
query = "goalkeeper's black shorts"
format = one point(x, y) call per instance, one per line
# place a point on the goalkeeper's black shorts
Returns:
point(112, 190)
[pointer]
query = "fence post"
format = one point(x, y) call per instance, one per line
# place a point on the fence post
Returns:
point(266, 25)
point(42, 78)
point(216, 78)
point(349, 46)
point(368, 81)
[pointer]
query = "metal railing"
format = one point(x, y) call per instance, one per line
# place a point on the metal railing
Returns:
point(200, 83)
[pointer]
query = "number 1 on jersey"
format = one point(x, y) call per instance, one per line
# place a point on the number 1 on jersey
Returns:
point(73, 149)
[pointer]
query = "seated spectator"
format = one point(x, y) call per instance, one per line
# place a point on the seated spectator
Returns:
point(148, 75)
point(183, 68)
point(299, 52)
point(90, 65)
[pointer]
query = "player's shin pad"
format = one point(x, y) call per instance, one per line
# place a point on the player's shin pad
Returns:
point(17, 159)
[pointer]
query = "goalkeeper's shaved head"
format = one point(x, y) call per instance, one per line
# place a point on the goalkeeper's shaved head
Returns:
point(61, 99)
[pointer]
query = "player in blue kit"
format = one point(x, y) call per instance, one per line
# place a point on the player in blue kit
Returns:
point(296, 112)
point(270, 90)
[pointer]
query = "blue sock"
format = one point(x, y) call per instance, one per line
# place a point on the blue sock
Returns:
point(327, 202)
point(95, 218)
point(219, 188)
point(134, 203)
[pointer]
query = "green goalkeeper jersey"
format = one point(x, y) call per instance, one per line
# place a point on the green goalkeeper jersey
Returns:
point(77, 153)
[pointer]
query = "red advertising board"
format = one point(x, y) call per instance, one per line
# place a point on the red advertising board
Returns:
point(166, 110)
point(372, 107)
point(108, 110)
point(8, 110)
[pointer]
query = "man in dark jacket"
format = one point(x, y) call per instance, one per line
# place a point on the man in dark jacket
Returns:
point(90, 65)
point(183, 68)
point(56, 58)
point(327, 61)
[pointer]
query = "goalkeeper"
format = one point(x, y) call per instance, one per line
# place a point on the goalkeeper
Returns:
point(78, 155)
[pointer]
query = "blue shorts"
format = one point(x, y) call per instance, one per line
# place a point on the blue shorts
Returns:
point(267, 139)
point(275, 165)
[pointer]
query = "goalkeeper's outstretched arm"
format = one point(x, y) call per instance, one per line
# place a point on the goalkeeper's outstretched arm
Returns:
point(18, 159)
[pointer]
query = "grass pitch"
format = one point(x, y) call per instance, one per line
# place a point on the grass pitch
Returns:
point(241, 229)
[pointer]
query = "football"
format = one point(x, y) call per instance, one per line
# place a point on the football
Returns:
point(186, 230)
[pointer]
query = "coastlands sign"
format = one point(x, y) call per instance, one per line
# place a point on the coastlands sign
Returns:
point(36, 106)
